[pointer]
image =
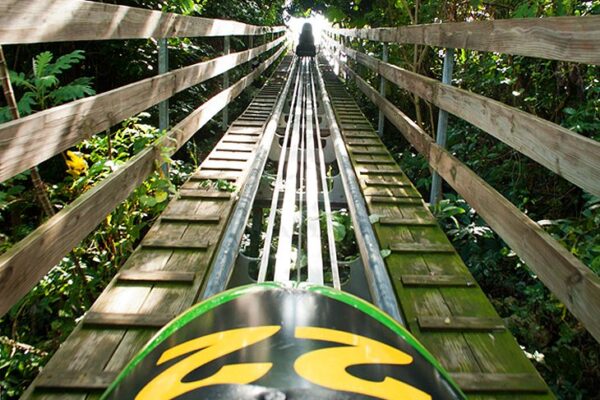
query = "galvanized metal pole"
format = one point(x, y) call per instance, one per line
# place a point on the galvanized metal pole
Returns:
point(382, 87)
point(163, 67)
point(226, 50)
point(436, 181)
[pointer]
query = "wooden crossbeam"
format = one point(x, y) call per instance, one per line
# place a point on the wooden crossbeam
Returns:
point(156, 276)
point(122, 320)
point(175, 244)
point(437, 280)
point(407, 221)
point(421, 247)
point(203, 194)
point(499, 382)
point(452, 323)
point(76, 380)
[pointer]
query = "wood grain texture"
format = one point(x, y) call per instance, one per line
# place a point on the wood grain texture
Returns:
point(37, 21)
point(566, 153)
point(95, 349)
point(559, 38)
point(490, 382)
point(568, 278)
point(460, 323)
point(459, 350)
point(22, 266)
point(28, 141)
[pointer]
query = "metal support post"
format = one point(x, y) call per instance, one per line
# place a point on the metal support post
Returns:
point(163, 68)
point(226, 50)
point(440, 138)
point(257, 221)
point(163, 106)
point(382, 87)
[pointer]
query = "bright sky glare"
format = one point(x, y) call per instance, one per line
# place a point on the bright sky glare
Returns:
point(318, 22)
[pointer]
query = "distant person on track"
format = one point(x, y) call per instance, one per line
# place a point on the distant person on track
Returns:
point(306, 46)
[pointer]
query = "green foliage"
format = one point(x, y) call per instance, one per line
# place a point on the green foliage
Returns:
point(43, 89)
point(47, 314)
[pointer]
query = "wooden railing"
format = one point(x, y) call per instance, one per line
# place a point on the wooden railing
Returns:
point(562, 151)
point(28, 141)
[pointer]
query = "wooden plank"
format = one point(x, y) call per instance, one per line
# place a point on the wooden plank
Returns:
point(557, 38)
point(156, 276)
point(393, 200)
point(28, 141)
point(203, 175)
point(76, 380)
point(381, 172)
point(499, 382)
point(70, 20)
point(371, 152)
point(191, 218)
point(437, 280)
point(372, 161)
point(567, 277)
point(122, 320)
point(407, 221)
point(355, 136)
point(566, 153)
point(432, 323)
point(24, 264)
point(372, 182)
point(204, 194)
point(421, 247)
point(173, 244)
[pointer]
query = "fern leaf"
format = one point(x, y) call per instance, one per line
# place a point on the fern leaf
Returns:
point(41, 63)
point(65, 62)
point(72, 91)
point(19, 79)
point(43, 83)
point(26, 103)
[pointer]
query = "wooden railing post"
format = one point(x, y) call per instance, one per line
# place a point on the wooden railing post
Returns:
point(440, 137)
point(226, 50)
point(382, 87)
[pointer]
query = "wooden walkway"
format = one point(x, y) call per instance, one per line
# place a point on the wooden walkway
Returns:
point(442, 303)
point(165, 274)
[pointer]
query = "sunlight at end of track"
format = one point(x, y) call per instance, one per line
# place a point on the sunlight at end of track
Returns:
point(318, 23)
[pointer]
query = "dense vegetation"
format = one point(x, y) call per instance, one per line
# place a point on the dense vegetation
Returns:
point(565, 93)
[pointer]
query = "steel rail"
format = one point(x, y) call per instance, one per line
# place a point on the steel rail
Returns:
point(226, 254)
point(286, 227)
point(335, 272)
point(376, 273)
point(313, 223)
point(264, 262)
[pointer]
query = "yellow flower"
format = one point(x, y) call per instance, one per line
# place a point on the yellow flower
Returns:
point(75, 163)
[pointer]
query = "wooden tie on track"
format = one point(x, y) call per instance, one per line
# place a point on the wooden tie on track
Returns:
point(442, 303)
point(165, 274)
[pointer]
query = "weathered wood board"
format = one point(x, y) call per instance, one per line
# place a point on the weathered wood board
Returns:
point(157, 282)
point(445, 308)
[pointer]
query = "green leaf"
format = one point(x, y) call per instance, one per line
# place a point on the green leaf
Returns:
point(339, 230)
point(65, 62)
point(161, 196)
point(41, 63)
point(75, 90)
point(385, 253)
